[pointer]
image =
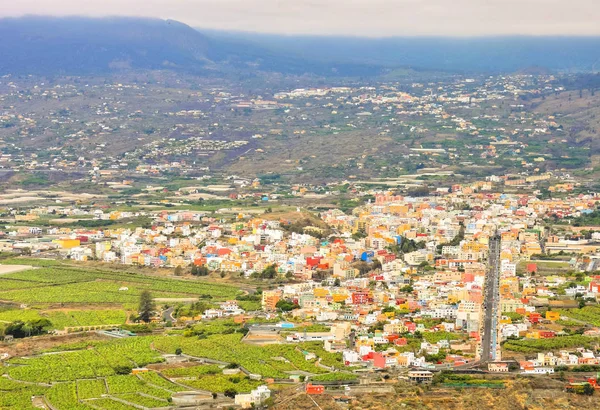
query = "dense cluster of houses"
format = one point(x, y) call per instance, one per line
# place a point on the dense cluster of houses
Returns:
point(394, 262)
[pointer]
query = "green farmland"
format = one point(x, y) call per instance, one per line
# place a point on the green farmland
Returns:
point(97, 374)
point(66, 285)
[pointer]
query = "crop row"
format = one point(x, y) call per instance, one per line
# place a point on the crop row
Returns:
point(193, 371)
point(87, 389)
point(268, 361)
point(110, 404)
point(77, 285)
point(63, 396)
point(144, 401)
point(131, 384)
point(15, 395)
point(156, 380)
point(104, 359)
point(219, 383)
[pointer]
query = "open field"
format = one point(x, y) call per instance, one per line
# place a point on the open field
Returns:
point(546, 267)
point(6, 269)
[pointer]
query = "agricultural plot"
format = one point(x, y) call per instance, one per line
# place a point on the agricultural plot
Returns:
point(71, 392)
point(127, 384)
point(144, 401)
point(14, 395)
point(64, 396)
point(75, 318)
point(268, 361)
point(544, 345)
point(334, 377)
point(19, 314)
point(588, 314)
point(434, 337)
point(8, 284)
point(75, 285)
point(194, 371)
point(110, 404)
point(218, 383)
point(70, 318)
point(87, 389)
point(155, 379)
point(104, 359)
point(17, 400)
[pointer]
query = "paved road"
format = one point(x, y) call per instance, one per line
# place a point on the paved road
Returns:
point(489, 340)
point(168, 315)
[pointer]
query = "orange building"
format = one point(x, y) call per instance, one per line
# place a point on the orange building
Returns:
point(270, 299)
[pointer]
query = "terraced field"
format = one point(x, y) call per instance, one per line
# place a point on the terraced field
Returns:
point(268, 361)
point(87, 378)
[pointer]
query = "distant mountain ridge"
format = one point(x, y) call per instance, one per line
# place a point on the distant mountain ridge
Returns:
point(80, 45)
point(457, 54)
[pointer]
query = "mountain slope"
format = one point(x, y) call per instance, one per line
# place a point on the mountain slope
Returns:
point(72, 45)
point(78, 45)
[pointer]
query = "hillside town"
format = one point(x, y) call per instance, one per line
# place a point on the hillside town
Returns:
point(397, 282)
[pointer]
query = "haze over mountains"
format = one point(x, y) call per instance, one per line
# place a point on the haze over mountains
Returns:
point(76, 45)
point(480, 54)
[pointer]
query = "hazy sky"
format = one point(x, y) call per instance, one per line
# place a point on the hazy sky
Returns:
point(347, 17)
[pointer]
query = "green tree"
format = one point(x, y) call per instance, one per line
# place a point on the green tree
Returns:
point(286, 306)
point(146, 306)
point(588, 390)
point(270, 272)
point(19, 329)
point(200, 270)
point(407, 289)
point(359, 235)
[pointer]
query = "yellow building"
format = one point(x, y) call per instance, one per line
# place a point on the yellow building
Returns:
point(339, 297)
point(398, 209)
point(67, 243)
point(321, 292)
